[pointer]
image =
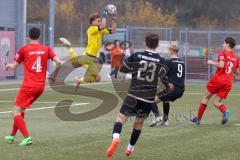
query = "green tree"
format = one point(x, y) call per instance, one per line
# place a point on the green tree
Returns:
point(66, 19)
point(144, 14)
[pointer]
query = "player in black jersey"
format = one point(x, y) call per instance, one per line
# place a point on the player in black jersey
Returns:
point(174, 82)
point(146, 68)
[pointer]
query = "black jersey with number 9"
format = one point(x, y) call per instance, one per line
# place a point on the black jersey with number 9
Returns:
point(176, 72)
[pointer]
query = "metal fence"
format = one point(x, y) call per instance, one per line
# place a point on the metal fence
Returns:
point(195, 40)
point(192, 43)
point(42, 28)
point(42, 39)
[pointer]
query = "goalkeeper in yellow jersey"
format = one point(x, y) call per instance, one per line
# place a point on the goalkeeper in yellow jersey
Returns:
point(95, 35)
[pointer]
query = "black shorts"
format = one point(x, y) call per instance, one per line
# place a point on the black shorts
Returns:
point(172, 96)
point(138, 108)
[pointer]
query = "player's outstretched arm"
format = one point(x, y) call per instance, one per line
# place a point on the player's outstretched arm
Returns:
point(114, 27)
point(104, 19)
point(57, 61)
point(219, 64)
point(127, 66)
point(237, 74)
point(55, 72)
point(114, 24)
point(12, 66)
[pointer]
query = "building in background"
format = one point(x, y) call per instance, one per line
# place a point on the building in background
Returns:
point(12, 30)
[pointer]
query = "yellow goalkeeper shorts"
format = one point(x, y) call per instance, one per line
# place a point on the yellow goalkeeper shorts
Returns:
point(90, 63)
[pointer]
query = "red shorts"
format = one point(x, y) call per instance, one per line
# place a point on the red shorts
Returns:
point(27, 95)
point(218, 88)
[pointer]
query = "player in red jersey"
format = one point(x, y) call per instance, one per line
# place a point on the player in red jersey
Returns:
point(221, 82)
point(35, 57)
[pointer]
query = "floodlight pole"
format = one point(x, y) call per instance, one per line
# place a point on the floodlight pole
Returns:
point(51, 28)
point(21, 25)
point(51, 22)
point(21, 15)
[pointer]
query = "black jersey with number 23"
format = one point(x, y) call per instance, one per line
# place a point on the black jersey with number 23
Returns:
point(146, 68)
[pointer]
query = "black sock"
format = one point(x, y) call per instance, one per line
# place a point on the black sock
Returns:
point(155, 110)
point(134, 137)
point(117, 127)
point(166, 108)
point(116, 72)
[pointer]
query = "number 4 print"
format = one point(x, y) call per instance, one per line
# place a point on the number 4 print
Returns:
point(37, 65)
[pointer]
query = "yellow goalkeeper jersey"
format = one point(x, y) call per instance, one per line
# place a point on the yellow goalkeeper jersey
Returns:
point(95, 36)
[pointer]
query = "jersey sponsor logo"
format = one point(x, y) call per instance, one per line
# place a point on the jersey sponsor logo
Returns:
point(37, 52)
point(231, 58)
point(177, 61)
point(148, 58)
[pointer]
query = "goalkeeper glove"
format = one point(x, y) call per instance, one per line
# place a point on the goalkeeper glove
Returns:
point(104, 13)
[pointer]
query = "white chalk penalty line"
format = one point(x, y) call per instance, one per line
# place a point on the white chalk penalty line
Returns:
point(43, 108)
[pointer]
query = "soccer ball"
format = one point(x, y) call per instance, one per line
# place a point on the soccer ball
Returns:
point(111, 9)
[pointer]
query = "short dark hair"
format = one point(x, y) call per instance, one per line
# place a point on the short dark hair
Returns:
point(152, 40)
point(34, 33)
point(93, 17)
point(231, 41)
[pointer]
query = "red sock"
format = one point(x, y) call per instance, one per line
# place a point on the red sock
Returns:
point(15, 128)
point(201, 110)
point(222, 108)
point(23, 114)
point(21, 125)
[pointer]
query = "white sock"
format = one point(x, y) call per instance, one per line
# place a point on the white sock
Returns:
point(116, 136)
point(130, 147)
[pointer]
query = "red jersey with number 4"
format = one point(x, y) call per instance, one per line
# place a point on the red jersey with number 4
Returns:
point(231, 63)
point(35, 59)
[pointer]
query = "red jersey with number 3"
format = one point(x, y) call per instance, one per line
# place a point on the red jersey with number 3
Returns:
point(35, 59)
point(231, 63)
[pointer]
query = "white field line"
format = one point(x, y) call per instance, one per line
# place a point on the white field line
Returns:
point(43, 108)
point(185, 93)
point(8, 89)
point(111, 91)
point(86, 84)
point(98, 83)
point(199, 93)
point(34, 102)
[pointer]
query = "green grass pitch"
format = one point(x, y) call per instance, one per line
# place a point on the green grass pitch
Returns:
point(60, 140)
